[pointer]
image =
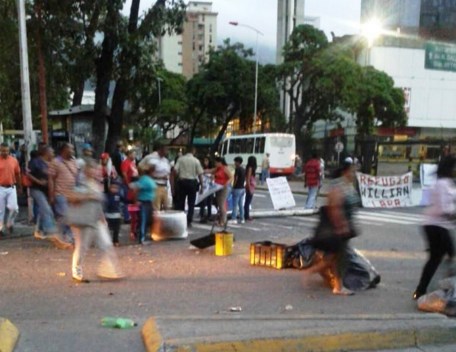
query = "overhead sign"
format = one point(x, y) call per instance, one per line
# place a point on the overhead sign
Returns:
point(440, 57)
point(280, 192)
point(385, 191)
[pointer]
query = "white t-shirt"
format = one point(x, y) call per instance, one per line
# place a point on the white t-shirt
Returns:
point(162, 167)
point(442, 202)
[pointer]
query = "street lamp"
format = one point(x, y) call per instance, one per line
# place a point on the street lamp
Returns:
point(233, 23)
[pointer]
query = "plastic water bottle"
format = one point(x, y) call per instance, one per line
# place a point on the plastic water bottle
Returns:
point(118, 323)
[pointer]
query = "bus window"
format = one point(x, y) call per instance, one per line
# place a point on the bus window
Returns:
point(235, 146)
point(259, 145)
point(248, 146)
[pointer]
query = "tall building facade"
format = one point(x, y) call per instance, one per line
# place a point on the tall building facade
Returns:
point(290, 13)
point(186, 52)
point(430, 19)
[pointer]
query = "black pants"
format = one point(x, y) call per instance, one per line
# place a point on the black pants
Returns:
point(206, 203)
point(248, 201)
point(187, 189)
point(440, 243)
point(114, 228)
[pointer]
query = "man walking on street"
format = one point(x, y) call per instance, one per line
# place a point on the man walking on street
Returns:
point(10, 175)
point(312, 180)
point(265, 168)
point(63, 173)
point(188, 171)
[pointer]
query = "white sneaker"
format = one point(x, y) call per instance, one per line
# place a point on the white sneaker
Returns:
point(232, 222)
point(242, 221)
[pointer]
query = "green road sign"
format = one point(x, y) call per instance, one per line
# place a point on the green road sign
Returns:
point(440, 57)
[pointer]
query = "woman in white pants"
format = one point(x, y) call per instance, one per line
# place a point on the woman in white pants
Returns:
point(88, 224)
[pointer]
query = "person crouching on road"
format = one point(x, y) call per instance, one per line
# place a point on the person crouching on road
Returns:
point(336, 228)
point(92, 227)
point(10, 175)
point(145, 191)
point(439, 221)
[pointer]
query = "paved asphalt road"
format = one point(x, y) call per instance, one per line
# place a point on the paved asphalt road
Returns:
point(169, 278)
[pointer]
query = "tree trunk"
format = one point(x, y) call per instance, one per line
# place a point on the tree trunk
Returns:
point(127, 61)
point(78, 93)
point(221, 133)
point(41, 77)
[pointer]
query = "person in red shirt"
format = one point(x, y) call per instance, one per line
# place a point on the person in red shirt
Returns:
point(312, 180)
point(130, 174)
point(10, 175)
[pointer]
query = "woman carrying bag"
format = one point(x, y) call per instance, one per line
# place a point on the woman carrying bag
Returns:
point(336, 227)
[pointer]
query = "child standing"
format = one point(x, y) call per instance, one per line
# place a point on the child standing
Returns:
point(145, 189)
point(113, 212)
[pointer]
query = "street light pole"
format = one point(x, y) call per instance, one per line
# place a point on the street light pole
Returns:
point(159, 80)
point(25, 81)
point(255, 106)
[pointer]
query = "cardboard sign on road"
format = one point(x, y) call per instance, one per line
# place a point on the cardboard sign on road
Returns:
point(280, 192)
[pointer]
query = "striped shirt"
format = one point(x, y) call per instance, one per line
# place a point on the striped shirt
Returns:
point(64, 173)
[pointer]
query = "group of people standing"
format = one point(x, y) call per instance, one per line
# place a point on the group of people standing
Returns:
point(189, 174)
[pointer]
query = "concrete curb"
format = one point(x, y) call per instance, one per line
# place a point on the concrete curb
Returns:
point(280, 213)
point(371, 339)
point(152, 338)
point(9, 335)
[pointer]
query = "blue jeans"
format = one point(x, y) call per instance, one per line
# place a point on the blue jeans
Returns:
point(264, 175)
point(60, 210)
point(145, 212)
point(238, 198)
point(311, 197)
point(45, 217)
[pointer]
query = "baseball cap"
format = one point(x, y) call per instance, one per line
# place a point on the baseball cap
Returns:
point(86, 146)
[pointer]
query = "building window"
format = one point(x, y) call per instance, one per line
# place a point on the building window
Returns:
point(210, 28)
point(200, 48)
point(179, 53)
point(210, 39)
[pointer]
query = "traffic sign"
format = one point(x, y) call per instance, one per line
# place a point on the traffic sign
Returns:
point(339, 147)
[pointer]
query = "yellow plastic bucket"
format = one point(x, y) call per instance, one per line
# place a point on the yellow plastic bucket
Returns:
point(223, 243)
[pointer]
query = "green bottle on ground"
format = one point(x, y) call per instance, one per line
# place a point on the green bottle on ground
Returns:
point(118, 323)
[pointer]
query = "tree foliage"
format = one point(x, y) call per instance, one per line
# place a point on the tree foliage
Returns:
point(322, 79)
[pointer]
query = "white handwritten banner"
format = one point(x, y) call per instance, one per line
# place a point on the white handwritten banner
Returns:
point(385, 191)
point(209, 187)
point(280, 192)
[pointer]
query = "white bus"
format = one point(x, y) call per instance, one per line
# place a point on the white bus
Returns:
point(280, 146)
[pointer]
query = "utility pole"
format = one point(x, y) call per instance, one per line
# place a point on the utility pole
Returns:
point(25, 80)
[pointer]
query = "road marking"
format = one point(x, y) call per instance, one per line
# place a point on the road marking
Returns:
point(397, 215)
point(384, 220)
point(257, 195)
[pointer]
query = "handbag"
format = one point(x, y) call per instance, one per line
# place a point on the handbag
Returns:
point(85, 214)
point(325, 237)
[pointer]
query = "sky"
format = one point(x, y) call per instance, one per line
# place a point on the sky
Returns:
point(339, 16)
